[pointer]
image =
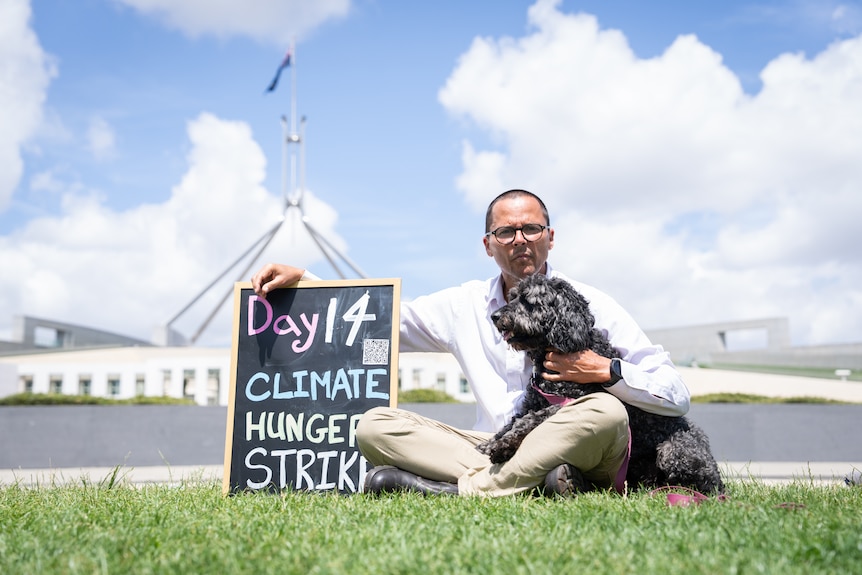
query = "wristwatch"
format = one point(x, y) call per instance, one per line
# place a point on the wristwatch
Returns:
point(616, 372)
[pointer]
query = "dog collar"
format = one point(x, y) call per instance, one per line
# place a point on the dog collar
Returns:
point(553, 398)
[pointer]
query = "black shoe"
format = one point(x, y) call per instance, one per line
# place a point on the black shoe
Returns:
point(566, 481)
point(389, 479)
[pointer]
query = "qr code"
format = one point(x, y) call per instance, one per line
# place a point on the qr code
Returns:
point(375, 351)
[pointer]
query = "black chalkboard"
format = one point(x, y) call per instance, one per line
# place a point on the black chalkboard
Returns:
point(306, 363)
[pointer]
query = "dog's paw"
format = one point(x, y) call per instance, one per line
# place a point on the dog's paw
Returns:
point(497, 451)
point(501, 455)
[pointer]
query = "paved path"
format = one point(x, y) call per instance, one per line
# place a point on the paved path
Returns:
point(818, 473)
point(706, 381)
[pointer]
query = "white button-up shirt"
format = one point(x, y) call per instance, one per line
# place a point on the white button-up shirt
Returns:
point(458, 321)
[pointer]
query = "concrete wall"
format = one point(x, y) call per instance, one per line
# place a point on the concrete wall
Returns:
point(105, 436)
point(708, 345)
point(64, 335)
point(701, 343)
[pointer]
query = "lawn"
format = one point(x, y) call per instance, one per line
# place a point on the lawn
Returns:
point(108, 527)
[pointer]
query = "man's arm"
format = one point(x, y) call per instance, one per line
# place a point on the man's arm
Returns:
point(653, 384)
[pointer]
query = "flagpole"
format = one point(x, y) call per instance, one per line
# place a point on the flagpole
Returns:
point(285, 131)
point(293, 86)
point(292, 191)
point(293, 138)
point(301, 162)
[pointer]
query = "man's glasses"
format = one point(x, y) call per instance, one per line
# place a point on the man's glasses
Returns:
point(506, 234)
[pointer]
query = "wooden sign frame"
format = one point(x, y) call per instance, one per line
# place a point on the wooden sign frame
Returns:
point(305, 364)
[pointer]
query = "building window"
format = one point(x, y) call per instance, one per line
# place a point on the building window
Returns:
point(166, 382)
point(25, 383)
point(55, 384)
point(84, 384)
point(417, 378)
point(44, 336)
point(441, 382)
point(114, 385)
point(189, 383)
point(140, 384)
point(463, 385)
point(213, 386)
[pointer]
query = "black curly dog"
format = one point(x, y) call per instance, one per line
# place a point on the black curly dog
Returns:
point(545, 313)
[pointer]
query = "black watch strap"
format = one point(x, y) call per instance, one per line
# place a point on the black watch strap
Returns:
point(616, 372)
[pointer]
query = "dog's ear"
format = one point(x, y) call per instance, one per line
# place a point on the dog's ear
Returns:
point(534, 291)
point(513, 293)
point(572, 327)
point(566, 292)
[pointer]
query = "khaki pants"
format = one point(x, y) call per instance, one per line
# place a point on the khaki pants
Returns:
point(591, 434)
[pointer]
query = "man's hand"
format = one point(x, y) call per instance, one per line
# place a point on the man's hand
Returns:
point(272, 276)
point(580, 367)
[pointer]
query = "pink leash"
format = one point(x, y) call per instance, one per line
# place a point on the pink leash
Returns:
point(553, 398)
point(682, 500)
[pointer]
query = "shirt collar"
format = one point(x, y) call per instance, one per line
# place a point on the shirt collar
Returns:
point(495, 296)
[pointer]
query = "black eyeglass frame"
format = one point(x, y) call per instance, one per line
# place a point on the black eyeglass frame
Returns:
point(533, 236)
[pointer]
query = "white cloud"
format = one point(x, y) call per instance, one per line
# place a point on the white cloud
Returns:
point(26, 72)
point(684, 197)
point(130, 271)
point(277, 21)
point(48, 182)
point(101, 139)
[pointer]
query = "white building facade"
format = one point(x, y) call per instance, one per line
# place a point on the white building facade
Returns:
point(199, 374)
point(439, 371)
point(202, 375)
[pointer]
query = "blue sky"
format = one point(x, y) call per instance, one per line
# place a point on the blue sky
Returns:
point(700, 160)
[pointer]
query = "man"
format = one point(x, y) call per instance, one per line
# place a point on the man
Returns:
point(582, 446)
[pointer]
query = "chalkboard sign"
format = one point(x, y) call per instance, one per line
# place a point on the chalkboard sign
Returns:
point(306, 363)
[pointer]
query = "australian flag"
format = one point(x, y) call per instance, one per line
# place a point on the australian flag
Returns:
point(284, 64)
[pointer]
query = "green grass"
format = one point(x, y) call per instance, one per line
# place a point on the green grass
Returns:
point(63, 399)
point(425, 396)
point(111, 528)
point(752, 398)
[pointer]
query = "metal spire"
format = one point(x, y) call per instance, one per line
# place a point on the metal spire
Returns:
point(293, 196)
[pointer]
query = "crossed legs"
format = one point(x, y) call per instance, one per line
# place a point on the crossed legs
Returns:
point(591, 434)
